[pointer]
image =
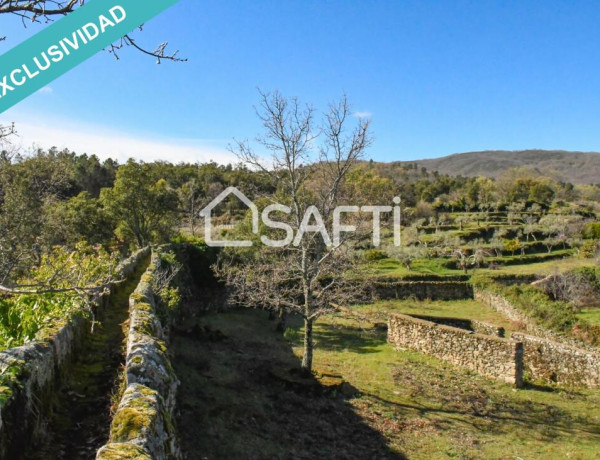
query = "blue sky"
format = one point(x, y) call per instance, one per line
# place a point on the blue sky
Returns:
point(437, 77)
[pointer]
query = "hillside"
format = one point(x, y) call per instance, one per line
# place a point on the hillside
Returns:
point(575, 167)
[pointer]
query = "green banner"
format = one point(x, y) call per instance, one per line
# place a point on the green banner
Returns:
point(58, 48)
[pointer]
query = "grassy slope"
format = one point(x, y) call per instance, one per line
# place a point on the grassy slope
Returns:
point(392, 268)
point(591, 315)
point(430, 409)
point(239, 398)
point(234, 405)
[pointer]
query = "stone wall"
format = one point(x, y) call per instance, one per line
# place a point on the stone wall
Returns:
point(142, 426)
point(491, 356)
point(504, 306)
point(34, 370)
point(434, 290)
point(553, 362)
point(548, 356)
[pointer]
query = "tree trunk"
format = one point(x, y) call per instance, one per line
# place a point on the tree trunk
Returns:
point(307, 357)
point(282, 323)
point(192, 214)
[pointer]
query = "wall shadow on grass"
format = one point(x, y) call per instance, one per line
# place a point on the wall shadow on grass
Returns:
point(352, 338)
point(242, 396)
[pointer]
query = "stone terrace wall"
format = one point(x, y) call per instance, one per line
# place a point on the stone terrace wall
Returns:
point(142, 426)
point(434, 290)
point(504, 306)
point(35, 369)
point(491, 356)
point(555, 362)
point(548, 356)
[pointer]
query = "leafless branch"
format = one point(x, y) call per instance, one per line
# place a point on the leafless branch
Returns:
point(45, 11)
point(307, 277)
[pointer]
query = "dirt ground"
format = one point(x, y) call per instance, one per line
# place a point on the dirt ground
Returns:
point(242, 396)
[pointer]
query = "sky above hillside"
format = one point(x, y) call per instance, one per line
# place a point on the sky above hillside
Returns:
point(435, 77)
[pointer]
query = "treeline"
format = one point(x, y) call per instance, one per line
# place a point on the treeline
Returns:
point(450, 194)
point(60, 198)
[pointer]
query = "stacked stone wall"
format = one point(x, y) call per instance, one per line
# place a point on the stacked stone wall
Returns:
point(31, 372)
point(491, 356)
point(142, 426)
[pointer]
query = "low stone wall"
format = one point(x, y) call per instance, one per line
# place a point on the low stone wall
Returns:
point(434, 290)
point(509, 279)
point(491, 356)
point(553, 362)
point(34, 370)
point(512, 313)
point(548, 357)
point(142, 426)
point(468, 324)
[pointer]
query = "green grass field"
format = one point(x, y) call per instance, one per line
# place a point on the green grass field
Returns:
point(392, 268)
point(428, 409)
point(544, 268)
point(466, 309)
point(591, 315)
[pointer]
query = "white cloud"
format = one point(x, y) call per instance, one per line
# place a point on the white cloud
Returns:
point(46, 90)
point(109, 143)
point(362, 114)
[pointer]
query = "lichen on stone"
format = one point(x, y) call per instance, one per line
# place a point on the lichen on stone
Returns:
point(122, 451)
point(135, 415)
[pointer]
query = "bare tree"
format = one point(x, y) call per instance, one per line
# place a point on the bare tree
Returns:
point(190, 199)
point(309, 275)
point(46, 10)
point(580, 289)
point(464, 260)
point(38, 11)
point(5, 133)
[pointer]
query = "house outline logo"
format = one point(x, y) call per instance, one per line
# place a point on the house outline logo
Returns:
point(207, 214)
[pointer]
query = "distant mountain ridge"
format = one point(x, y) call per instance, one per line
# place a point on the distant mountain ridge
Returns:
point(562, 165)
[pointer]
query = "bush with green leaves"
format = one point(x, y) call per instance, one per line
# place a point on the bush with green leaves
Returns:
point(52, 292)
point(373, 255)
point(23, 316)
point(590, 248)
point(592, 230)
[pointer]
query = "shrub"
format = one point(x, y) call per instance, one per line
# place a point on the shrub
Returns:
point(23, 316)
point(373, 255)
point(592, 231)
point(180, 238)
point(589, 248)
